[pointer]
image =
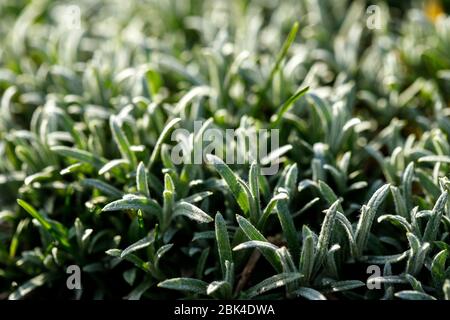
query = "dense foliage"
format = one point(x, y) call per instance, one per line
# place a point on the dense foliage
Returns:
point(87, 179)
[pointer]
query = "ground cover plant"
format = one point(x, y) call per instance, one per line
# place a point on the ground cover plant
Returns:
point(92, 91)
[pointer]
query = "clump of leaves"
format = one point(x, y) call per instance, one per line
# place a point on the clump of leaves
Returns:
point(87, 177)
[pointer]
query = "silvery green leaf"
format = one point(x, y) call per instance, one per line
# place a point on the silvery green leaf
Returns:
point(122, 141)
point(339, 178)
point(141, 180)
point(318, 173)
point(400, 205)
point(415, 284)
point(47, 173)
point(309, 293)
point(185, 284)
point(253, 181)
point(197, 197)
point(286, 260)
point(162, 137)
point(307, 258)
point(169, 185)
point(414, 222)
point(446, 289)
point(270, 207)
point(290, 180)
point(138, 262)
point(304, 184)
point(54, 228)
point(325, 233)
point(287, 105)
point(229, 273)
point(111, 165)
point(254, 209)
point(130, 276)
point(390, 279)
point(139, 290)
point(283, 52)
point(80, 155)
point(102, 186)
point(434, 158)
point(30, 285)
point(329, 194)
point(368, 213)
point(200, 268)
point(417, 254)
point(396, 220)
point(287, 224)
point(203, 235)
point(192, 212)
point(388, 170)
point(276, 281)
point(196, 91)
point(114, 252)
point(345, 223)
point(255, 244)
point(143, 243)
point(438, 267)
point(275, 155)
point(346, 285)
point(231, 179)
point(306, 207)
point(218, 287)
point(413, 295)
point(223, 242)
point(386, 259)
point(414, 243)
point(330, 261)
point(424, 214)
point(72, 168)
point(432, 227)
point(288, 266)
point(161, 252)
point(358, 186)
point(253, 234)
point(133, 202)
point(407, 180)
point(427, 183)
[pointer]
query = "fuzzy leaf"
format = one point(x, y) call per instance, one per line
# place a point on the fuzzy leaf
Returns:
point(289, 231)
point(273, 282)
point(133, 202)
point(253, 234)
point(413, 295)
point(143, 243)
point(192, 212)
point(326, 232)
point(122, 141)
point(162, 137)
point(232, 181)
point(223, 242)
point(432, 227)
point(80, 155)
point(141, 180)
point(368, 214)
point(185, 284)
point(309, 294)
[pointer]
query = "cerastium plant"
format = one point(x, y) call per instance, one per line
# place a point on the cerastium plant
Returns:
point(101, 124)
